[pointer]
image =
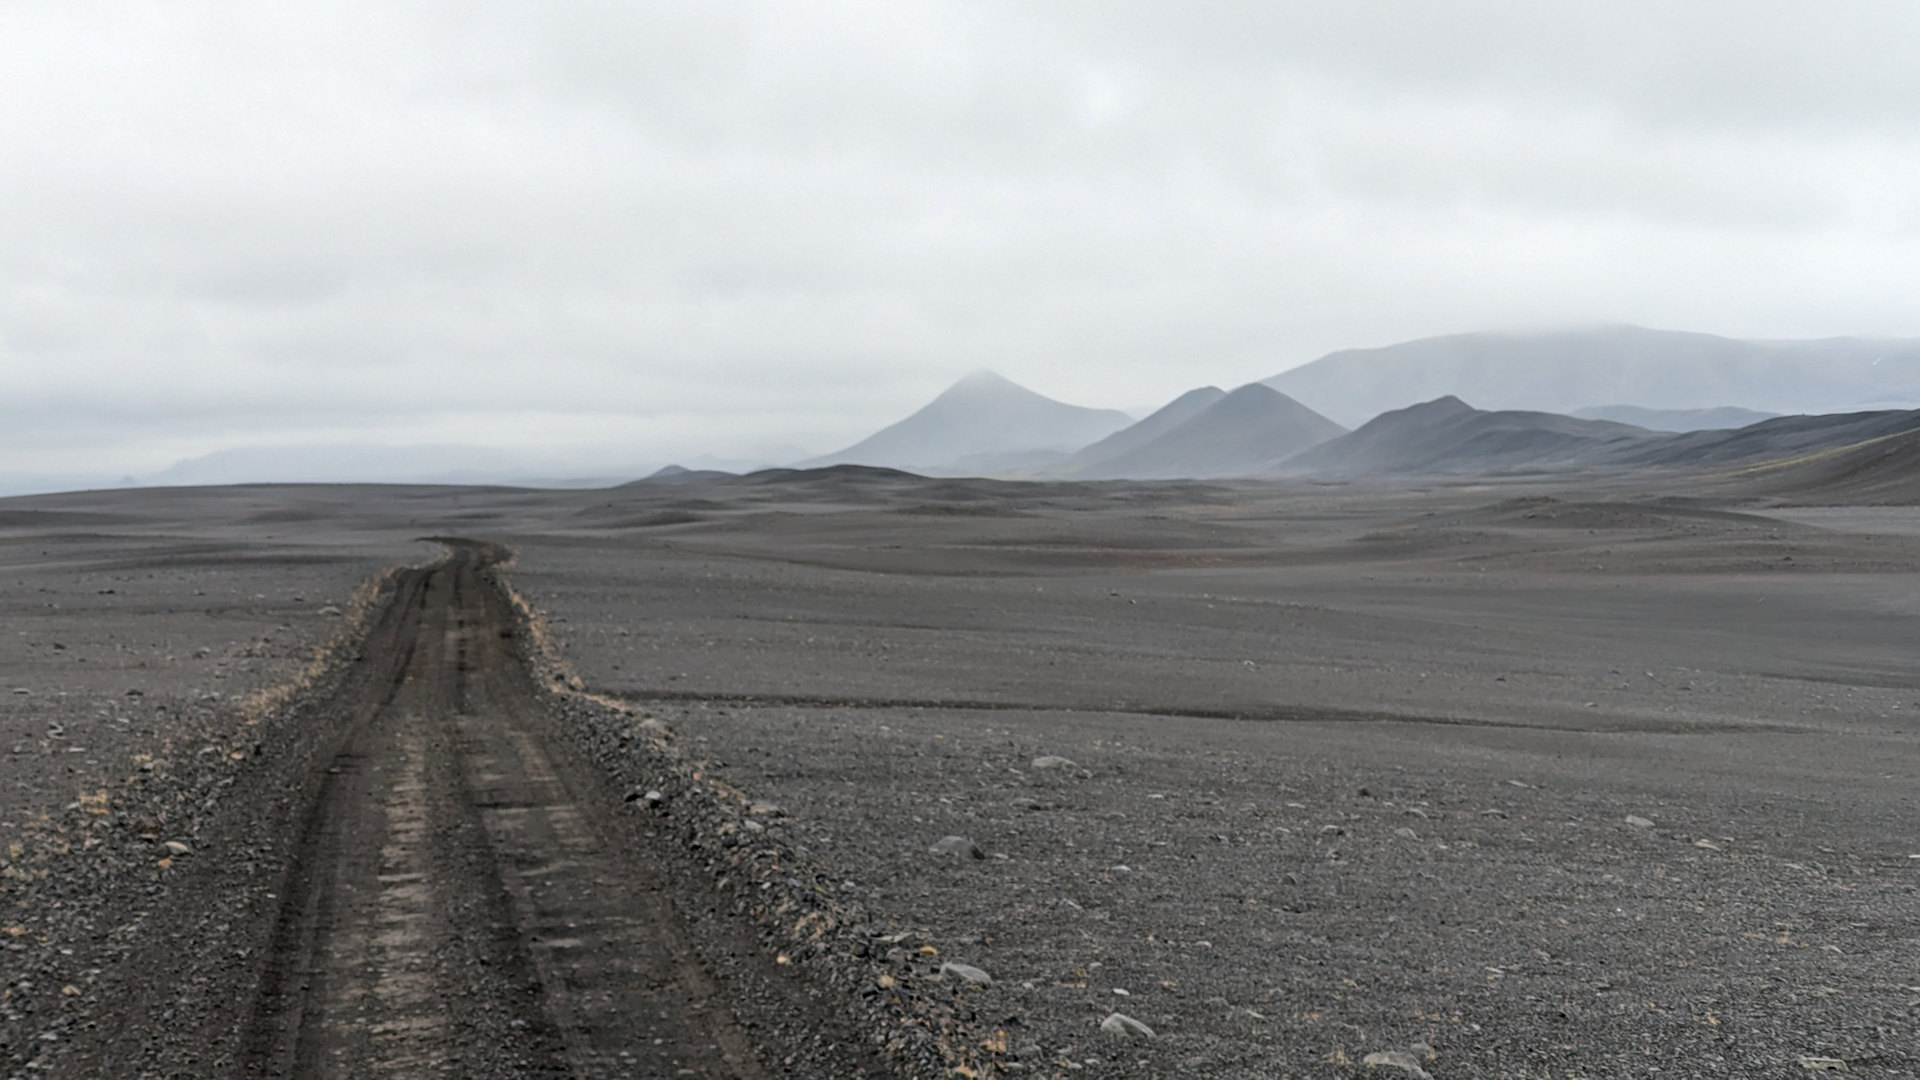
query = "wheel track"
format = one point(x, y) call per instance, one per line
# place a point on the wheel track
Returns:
point(458, 905)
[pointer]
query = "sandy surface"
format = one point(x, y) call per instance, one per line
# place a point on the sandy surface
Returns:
point(1350, 772)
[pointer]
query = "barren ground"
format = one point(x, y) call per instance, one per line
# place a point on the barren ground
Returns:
point(1347, 772)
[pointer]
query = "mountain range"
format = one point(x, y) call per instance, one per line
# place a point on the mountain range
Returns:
point(1608, 397)
point(1568, 370)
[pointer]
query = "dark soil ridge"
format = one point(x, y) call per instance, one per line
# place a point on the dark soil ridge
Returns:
point(1278, 714)
point(921, 1024)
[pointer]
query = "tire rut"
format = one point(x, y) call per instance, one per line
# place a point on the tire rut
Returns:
point(458, 904)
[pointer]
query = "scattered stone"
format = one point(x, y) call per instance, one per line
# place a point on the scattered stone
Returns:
point(1639, 822)
point(1823, 1064)
point(1396, 1059)
point(1494, 812)
point(328, 609)
point(1708, 844)
point(767, 810)
point(176, 847)
point(1126, 1027)
point(966, 973)
point(1405, 833)
point(1049, 762)
point(957, 845)
point(653, 725)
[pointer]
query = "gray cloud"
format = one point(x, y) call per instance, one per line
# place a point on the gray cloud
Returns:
point(652, 230)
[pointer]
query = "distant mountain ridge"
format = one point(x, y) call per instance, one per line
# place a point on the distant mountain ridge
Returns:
point(982, 423)
point(1568, 370)
point(1726, 417)
point(376, 463)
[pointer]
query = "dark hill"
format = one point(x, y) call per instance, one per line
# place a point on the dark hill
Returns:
point(677, 474)
point(1883, 471)
point(1447, 435)
point(1781, 438)
point(1245, 433)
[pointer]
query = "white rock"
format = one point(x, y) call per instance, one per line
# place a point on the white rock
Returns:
point(966, 973)
point(1397, 1059)
point(957, 845)
point(1125, 1027)
point(1051, 761)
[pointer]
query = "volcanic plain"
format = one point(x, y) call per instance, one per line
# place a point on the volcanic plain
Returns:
point(848, 772)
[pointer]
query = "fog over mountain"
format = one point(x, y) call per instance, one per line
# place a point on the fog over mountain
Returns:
point(1248, 432)
point(1162, 420)
point(648, 232)
point(984, 423)
point(372, 463)
point(1725, 417)
point(1567, 370)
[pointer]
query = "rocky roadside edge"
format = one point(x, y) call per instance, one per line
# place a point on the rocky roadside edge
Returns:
point(892, 991)
point(111, 881)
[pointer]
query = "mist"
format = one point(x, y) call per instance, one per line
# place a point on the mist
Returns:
point(617, 235)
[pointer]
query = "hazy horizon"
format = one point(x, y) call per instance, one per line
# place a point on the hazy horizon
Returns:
point(660, 233)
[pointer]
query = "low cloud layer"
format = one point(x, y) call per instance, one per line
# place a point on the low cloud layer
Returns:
point(645, 231)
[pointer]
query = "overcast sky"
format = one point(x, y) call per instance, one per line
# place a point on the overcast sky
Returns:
point(652, 230)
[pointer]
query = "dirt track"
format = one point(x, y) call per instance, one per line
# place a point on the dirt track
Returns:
point(457, 895)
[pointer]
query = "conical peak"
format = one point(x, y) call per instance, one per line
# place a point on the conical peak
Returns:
point(984, 381)
point(1254, 391)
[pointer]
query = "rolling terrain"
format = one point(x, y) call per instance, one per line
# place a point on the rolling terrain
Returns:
point(1506, 776)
